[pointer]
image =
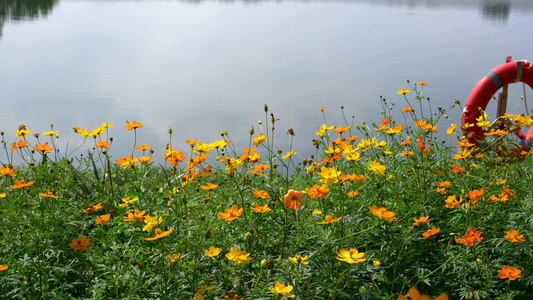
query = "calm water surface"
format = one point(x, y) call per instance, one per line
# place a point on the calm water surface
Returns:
point(202, 67)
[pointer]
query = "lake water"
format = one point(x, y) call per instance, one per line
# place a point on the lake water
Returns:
point(202, 67)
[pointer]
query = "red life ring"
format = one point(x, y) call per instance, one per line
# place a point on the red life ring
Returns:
point(510, 72)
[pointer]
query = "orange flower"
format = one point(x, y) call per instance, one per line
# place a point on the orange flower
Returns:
point(102, 144)
point(92, 208)
point(352, 193)
point(260, 194)
point(423, 83)
point(7, 172)
point(133, 125)
point(382, 213)
point(440, 190)
point(2, 267)
point(407, 141)
point(103, 219)
point(21, 184)
point(457, 168)
point(292, 199)
point(414, 294)
point(210, 186)
point(258, 139)
point(80, 244)
point(159, 234)
point(143, 147)
point(464, 143)
point(329, 219)
point(317, 191)
point(509, 273)
point(471, 236)
point(126, 162)
point(513, 236)
point(444, 184)
point(451, 202)
point(475, 194)
point(231, 214)
point(135, 216)
point(258, 169)
point(232, 296)
point(48, 194)
point(407, 109)
point(430, 232)
point(261, 209)
point(341, 129)
point(43, 147)
point(352, 138)
point(20, 144)
point(421, 220)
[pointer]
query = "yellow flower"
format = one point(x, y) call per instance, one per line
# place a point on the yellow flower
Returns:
point(289, 154)
point(202, 149)
point(151, 222)
point(127, 201)
point(172, 259)
point(376, 262)
point(317, 212)
point(403, 91)
point(281, 289)
point(239, 256)
point(51, 133)
point(259, 139)
point(204, 288)
point(107, 125)
point(351, 256)
point(329, 176)
point(299, 259)
point(212, 252)
point(22, 132)
point(451, 129)
point(395, 130)
point(377, 168)
point(219, 144)
point(231, 214)
point(2, 195)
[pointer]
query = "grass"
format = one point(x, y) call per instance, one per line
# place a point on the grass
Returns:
point(377, 209)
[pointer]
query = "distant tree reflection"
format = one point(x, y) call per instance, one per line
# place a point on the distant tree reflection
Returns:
point(496, 10)
point(24, 10)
